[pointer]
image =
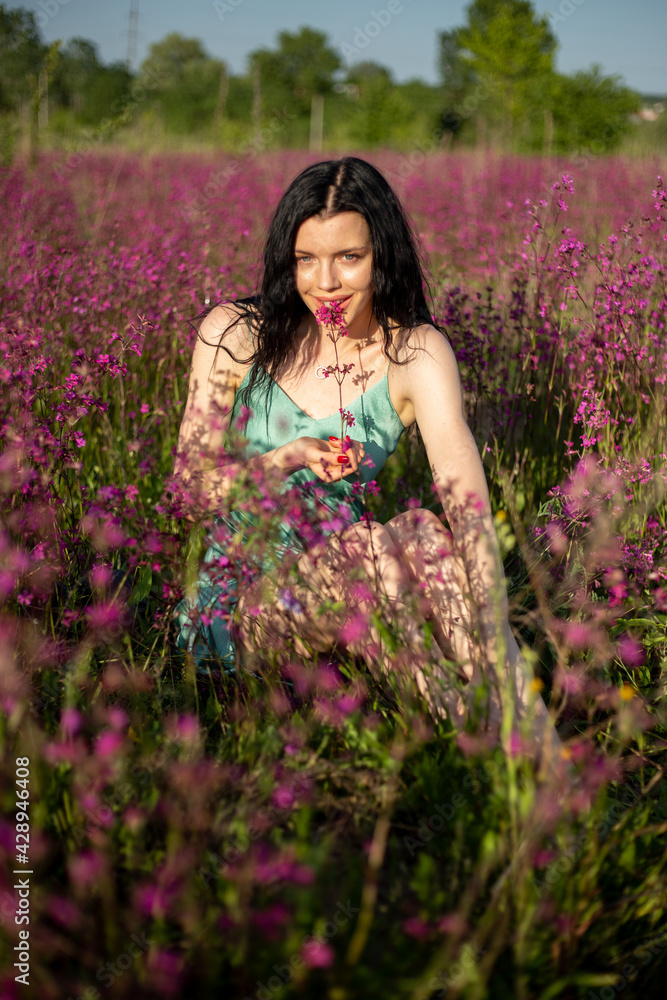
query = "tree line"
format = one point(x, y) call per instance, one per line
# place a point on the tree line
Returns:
point(498, 85)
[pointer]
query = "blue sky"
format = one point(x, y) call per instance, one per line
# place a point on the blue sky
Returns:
point(623, 37)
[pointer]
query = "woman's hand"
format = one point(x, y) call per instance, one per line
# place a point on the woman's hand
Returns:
point(329, 460)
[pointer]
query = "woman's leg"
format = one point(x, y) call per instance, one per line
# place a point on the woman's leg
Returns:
point(426, 549)
point(339, 586)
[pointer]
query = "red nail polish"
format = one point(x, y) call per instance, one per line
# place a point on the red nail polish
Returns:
point(333, 439)
point(343, 459)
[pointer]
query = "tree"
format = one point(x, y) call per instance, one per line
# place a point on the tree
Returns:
point(455, 72)
point(168, 59)
point(505, 39)
point(301, 66)
point(382, 114)
point(109, 87)
point(591, 112)
point(498, 70)
point(185, 81)
point(507, 47)
point(77, 65)
point(22, 53)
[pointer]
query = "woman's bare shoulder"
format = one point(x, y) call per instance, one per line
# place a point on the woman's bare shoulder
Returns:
point(227, 325)
point(421, 346)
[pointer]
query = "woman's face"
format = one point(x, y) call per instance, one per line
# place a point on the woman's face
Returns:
point(334, 262)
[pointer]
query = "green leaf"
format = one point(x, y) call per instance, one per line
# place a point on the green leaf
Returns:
point(142, 587)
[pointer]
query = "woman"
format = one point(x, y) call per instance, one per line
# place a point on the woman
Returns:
point(339, 239)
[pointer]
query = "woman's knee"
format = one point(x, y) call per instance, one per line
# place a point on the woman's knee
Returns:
point(426, 546)
point(421, 529)
point(365, 540)
point(416, 521)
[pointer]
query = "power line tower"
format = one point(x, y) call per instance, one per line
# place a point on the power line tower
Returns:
point(132, 34)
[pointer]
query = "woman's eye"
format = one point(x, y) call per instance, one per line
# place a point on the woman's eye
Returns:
point(347, 257)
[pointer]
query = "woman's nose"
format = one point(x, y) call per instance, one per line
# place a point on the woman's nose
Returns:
point(327, 278)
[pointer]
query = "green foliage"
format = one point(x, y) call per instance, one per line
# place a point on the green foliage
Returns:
point(186, 82)
point(382, 113)
point(21, 53)
point(498, 86)
point(505, 40)
point(591, 111)
point(498, 72)
point(168, 58)
point(77, 65)
point(302, 65)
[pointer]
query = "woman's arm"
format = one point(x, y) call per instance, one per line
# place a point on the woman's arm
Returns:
point(431, 382)
point(214, 379)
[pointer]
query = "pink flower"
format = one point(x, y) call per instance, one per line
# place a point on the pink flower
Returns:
point(85, 869)
point(451, 923)
point(474, 746)
point(283, 797)
point(516, 745)
point(100, 576)
point(152, 900)
point(327, 678)
point(64, 911)
point(117, 718)
point(70, 721)
point(571, 680)
point(317, 954)
point(354, 629)
point(165, 968)
point(660, 598)
point(107, 617)
point(631, 651)
point(185, 728)
point(578, 635)
point(543, 858)
point(416, 927)
point(133, 819)
point(272, 919)
point(348, 703)
point(108, 743)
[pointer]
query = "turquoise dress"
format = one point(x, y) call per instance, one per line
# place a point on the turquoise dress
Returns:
point(276, 420)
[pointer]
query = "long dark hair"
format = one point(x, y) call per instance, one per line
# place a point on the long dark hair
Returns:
point(398, 273)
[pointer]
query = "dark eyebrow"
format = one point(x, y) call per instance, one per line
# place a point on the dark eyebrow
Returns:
point(335, 255)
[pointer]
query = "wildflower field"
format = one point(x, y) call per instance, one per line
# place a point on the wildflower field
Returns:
point(302, 830)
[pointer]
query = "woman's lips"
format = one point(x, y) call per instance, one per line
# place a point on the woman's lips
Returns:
point(327, 302)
